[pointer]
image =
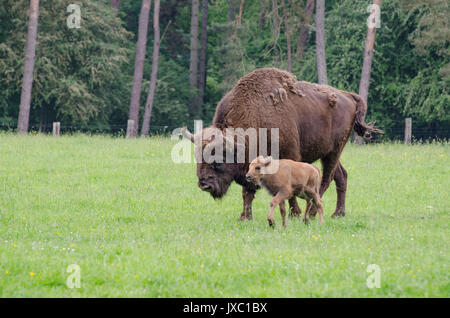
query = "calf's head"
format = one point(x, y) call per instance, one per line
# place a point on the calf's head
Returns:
point(258, 168)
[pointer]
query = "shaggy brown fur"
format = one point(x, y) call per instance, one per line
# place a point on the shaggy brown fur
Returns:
point(285, 179)
point(314, 121)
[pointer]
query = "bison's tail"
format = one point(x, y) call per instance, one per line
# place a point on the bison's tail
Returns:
point(360, 127)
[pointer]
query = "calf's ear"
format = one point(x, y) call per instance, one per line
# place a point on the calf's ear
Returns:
point(267, 161)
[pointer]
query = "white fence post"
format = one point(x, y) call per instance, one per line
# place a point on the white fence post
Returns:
point(130, 128)
point(408, 130)
point(56, 128)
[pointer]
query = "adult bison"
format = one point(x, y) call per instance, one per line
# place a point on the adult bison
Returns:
point(314, 121)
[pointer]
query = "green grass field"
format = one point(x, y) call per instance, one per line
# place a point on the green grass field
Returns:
point(138, 226)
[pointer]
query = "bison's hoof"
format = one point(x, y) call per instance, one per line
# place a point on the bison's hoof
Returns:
point(271, 223)
point(245, 217)
point(338, 214)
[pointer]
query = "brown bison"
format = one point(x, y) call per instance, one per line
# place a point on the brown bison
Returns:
point(314, 122)
point(284, 179)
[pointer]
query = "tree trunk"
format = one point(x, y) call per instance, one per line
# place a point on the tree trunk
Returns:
point(304, 26)
point(262, 14)
point(115, 4)
point(230, 11)
point(27, 82)
point(276, 25)
point(193, 67)
point(151, 91)
point(367, 63)
point(320, 42)
point(288, 37)
point(139, 66)
point(239, 18)
point(204, 44)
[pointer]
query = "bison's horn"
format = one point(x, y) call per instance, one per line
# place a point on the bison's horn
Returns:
point(229, 143)
point(187, 134)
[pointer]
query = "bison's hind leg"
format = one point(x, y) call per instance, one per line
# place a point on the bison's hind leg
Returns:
point(340, 178)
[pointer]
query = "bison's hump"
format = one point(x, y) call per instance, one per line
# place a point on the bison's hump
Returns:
point(257, 94)
point(270, 85)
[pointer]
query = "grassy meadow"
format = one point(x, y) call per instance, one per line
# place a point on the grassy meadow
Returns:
point(137, 225)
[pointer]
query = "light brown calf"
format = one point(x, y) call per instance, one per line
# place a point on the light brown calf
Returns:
point(284, 179)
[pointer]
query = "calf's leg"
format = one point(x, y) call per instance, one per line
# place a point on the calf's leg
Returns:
point(307, 211)
point(276, 200)
point(314, 198)
point(283, 213)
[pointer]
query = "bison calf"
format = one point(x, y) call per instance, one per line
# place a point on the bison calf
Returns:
point(284, 179)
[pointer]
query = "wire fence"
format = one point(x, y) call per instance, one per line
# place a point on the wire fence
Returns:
point(419, 134)
point(112, 129)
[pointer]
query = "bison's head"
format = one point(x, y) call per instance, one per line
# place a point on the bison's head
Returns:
point(212, 149)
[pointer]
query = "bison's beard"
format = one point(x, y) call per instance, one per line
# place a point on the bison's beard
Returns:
point(217, 189)
point(219, 192)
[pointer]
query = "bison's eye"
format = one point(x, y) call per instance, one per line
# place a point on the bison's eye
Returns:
point(258, 168)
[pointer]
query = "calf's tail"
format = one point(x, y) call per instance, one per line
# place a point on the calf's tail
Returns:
point(360, 127)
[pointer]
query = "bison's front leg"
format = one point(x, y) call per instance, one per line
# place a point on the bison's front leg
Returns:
point(247, 197)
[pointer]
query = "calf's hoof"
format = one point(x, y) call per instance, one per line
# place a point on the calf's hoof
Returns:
point(271, 223)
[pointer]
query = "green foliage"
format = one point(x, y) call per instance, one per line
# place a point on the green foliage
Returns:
point(408, 76)
point(428, 92)
point(84, 76)
point(73, 80)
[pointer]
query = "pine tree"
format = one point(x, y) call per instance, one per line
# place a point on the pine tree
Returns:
point(193, 65)
point(139, 66)
point(25, 99)
point(320, 42)
point(151, 91)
